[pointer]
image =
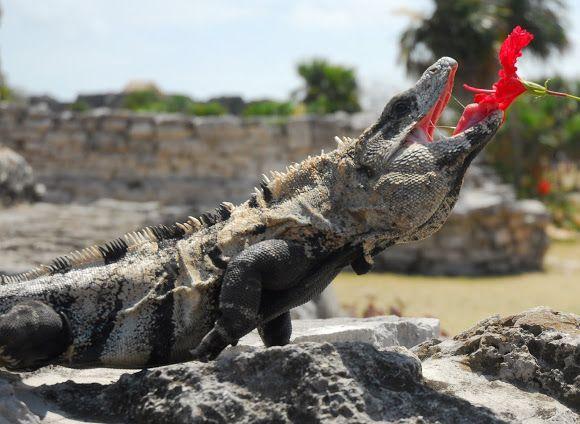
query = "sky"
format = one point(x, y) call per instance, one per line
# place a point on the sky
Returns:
point(217, 47)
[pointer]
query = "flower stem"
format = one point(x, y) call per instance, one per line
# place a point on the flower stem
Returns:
point(559, 94)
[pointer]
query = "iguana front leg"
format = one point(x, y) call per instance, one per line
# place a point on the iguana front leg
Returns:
point(31, 335)
point(271, 265)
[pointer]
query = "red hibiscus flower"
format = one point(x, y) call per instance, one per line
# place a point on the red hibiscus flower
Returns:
point(508, 87)
point(544, 187)
point(504, 91)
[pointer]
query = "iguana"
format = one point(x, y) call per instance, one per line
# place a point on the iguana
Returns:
point(185, 292)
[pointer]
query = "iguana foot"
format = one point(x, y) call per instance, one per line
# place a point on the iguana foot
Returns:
point(212, 345)
point(276, 332)
point(31, 335)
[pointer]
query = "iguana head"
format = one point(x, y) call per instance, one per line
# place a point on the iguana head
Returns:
point(409, 175)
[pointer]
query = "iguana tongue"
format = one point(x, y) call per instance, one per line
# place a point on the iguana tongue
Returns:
point(472, 114)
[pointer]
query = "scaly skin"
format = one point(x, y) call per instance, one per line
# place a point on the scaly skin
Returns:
point(166, 295)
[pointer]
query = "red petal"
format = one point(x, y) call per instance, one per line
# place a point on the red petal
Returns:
point(508, 87)
point(506, 91)
point(473, 113)
point(511, 49)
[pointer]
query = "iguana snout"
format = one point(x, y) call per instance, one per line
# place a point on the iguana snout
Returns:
point(412, 175)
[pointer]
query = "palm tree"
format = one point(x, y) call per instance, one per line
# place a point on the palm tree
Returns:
point(472, 30)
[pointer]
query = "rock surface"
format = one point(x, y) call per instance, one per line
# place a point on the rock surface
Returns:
point(346, 381)
point(311, 382)
point(537, 350)
point(380, 332)
point(17, 182)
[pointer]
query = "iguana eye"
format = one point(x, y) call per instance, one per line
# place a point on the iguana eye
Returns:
point(401, 108)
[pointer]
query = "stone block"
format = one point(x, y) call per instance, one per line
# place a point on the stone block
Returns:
point(173, 127)
point(219, 128)
point(141, 130)
point(108, 142)
point(300, 133)
point(117, 124)
point(380, 332)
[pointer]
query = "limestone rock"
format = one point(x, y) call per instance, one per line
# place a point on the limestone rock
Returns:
point(346, 381)
point(13, 410)
point(537, 351)
point(17, 183)
point(381, 332)
point(311, 382)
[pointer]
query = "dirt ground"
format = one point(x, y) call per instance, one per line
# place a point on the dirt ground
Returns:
point(459, 302)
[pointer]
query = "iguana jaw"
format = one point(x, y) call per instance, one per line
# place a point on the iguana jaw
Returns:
point(428, 124)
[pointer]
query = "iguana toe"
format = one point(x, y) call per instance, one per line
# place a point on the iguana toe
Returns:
point(211, 346)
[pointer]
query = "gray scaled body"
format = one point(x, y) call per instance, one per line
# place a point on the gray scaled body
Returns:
point(170, 294)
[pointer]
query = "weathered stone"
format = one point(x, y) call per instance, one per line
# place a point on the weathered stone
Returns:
point(115, 124)
point(536, 350)
point(17, 182)
point(380, 332)
point(346, 381)
point(173, 128)
point(141, 129)
point(13, 410)
point(310, 382)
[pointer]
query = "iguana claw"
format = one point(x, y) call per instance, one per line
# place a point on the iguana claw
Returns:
point(211, 346)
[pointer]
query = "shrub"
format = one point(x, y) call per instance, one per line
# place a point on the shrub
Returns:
point(268, 108)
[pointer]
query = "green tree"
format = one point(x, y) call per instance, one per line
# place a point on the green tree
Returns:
point(329, 88)
point(471, 32)
point(144, 101)
point(206, 109)
point(268, 108)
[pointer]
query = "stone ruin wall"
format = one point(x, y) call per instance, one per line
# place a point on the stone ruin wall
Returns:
point(200, 162)
point(173, 159)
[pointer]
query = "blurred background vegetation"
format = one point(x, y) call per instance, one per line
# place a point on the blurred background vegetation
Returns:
point(537, 148)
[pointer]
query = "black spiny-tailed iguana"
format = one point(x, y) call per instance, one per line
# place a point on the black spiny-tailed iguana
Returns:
point(170, 294)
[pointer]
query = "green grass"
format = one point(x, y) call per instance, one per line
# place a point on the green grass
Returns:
point(459, 302)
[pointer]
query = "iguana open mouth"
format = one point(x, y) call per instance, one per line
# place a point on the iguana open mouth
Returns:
point(429, 122)
point(424, 131)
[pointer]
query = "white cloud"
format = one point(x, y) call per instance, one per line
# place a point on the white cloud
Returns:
point(348, 14)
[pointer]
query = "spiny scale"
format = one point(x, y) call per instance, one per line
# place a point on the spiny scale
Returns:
point(116, 249)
